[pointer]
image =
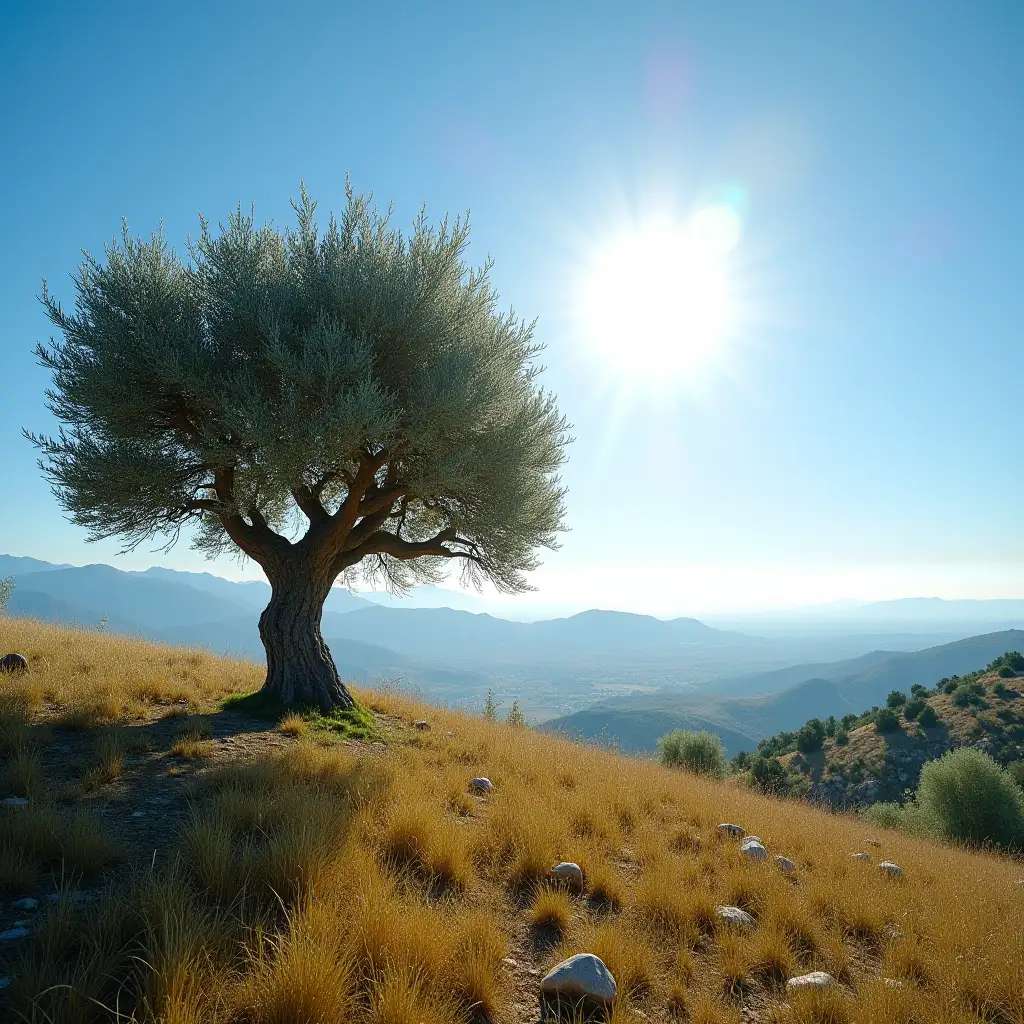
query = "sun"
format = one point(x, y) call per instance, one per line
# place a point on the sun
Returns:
point(656, 302)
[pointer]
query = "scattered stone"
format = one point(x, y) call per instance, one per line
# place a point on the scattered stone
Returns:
point(481, 785)
point(569, 874)
point(138, 814)
point(13, 663)
point(733, 831)
point(816, 979)
point(14, 934)
point(784, 864)
point(891, 869)
point(735, 917)
point(160, 801)
point(509, 962)
point(892, 982)
point(17, 802)
point(422, 725)
point(872, 842)
point(753, 848)
point(26, 903)
point(582, 978)
point(860, 856)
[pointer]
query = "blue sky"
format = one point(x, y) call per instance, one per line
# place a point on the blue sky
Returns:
point(859, 431)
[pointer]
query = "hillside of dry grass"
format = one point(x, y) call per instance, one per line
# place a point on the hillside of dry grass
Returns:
point(195, 863)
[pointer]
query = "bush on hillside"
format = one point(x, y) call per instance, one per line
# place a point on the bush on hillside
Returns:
point(810, 736)
point(848, 722)
point(968, 695)
point(951, 684)
point(515, 715)
point(896, 699)
point(768, 775)
point(1016, 770)
point(906, 817)
point(700, 752)
point(886, 720)
point(1005, 672)
point(1000, 689)
point(965, 795)
point(831, 726)
point(913, 708)
point(842, 737)
point(1015, 660)
point(741, 762)
point(917, 690)
point(928, 718)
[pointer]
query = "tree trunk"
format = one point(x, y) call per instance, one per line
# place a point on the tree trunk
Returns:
point(300, 669)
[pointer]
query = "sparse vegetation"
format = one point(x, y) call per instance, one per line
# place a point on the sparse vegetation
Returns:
point(315, 881)
point(699, 752)
point(886, 720)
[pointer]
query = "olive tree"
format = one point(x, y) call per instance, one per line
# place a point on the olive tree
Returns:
point(346, 403)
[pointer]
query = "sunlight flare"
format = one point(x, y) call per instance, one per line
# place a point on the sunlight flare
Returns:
point(656, 302)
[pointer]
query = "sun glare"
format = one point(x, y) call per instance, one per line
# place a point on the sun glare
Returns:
point(656, 302)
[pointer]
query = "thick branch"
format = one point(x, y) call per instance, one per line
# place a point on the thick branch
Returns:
point(384, 543)
point(310, 505)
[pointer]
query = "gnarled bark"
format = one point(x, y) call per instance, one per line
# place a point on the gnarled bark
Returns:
point(300, 669)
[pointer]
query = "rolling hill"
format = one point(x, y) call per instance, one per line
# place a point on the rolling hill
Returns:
point(636, 721)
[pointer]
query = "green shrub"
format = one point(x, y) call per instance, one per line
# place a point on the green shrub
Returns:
point(515, 715)
point(831, 726)
point(741, 762)
point(1015, 660)
point(965, 795)
point(1016, 770)
point(848, 721)
point(810, 736)
point(968, 695)
point(842, 737)
point(906, 817)
point(917, 690)
point(913, 708)
point(896, 699)
point(1005, 672)
point(887, 720)
point(951, 684)
point(700, 752)
point(928, 718)
point(1000, 689)
point(768, 775)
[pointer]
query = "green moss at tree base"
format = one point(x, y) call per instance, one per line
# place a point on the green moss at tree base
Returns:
point(356, 723)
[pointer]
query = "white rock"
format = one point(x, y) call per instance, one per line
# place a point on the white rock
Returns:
point(785, 864)
point(422, 725)
point(26, 903)
point(860, 856)
point(816, 979)
point(753, 848)
point(891, 869)
point(569, 874)
point(583, 976)
point(892, 982)
point(18, 802)
point(14, 934)
point(734, 831)
point(735, 916)
point(481, 785)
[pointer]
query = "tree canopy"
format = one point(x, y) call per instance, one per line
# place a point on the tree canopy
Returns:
point(351, 384)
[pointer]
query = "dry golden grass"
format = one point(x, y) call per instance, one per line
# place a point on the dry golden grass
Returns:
point(324, 883)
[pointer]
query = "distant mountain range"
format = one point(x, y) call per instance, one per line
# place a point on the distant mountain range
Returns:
point(636, 721)
point(554, 667)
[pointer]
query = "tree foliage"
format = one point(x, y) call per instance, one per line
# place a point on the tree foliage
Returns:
point(351, 386)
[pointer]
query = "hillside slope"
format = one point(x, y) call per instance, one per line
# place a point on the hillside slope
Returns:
point(217, 866)
point(866, 765)
point(637, 720)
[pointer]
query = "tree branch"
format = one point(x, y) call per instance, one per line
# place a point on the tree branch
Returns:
point(384, 543)
point(309, 503)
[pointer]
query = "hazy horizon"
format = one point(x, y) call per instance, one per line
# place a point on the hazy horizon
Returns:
point(774, 256)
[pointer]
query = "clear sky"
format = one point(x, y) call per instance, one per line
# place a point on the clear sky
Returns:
point(854, 425)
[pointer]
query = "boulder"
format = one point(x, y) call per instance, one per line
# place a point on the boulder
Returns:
point(481, 785)
point(785, 865)
point(569, 874)
point(753, 848)
point(860, 856)
point(14, 663)
point(735, 917)
point(582, 979)
point(732, 831)
point(26, 903)
point(889, 868)
point(14, 934)
point(814, 980)
point(17, 802)
point(422, 725)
